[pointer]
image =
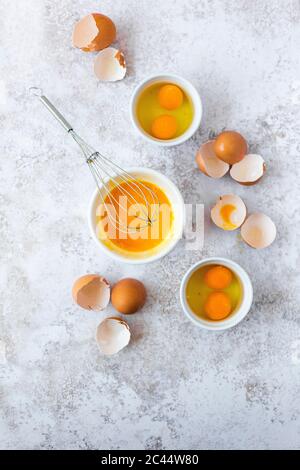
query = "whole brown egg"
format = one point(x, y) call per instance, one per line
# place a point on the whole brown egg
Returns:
point(128, 296)
point(230, 146)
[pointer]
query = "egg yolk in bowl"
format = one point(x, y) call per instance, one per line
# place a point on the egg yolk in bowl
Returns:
point(214, 292)
point(170, 96)
point(164, 110)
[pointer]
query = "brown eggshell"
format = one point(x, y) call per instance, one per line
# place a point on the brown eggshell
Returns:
point(94, 32)
point(112, 335)
point(91, 292)
point(230, 146)
point(128, 296)
point(252, 183)
point(110, 65)
point(258, 230)
point(248, 171)
point(237, 217)
point(209, 163)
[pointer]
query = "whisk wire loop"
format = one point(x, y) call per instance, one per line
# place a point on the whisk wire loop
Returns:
point(107, 176)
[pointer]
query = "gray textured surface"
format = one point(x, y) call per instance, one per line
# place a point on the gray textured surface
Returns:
point(175, 386)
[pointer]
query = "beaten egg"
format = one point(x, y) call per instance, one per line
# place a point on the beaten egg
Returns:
point(142, 240)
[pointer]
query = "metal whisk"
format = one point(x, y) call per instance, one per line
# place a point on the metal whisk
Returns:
point(109, 175)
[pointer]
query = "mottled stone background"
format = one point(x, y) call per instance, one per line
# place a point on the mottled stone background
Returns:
point(176, 386)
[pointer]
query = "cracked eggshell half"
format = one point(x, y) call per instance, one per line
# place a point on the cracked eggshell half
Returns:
point(110, 65)
point(209, 163)
point(258, 231)
point(249, 170)
point(229, 212)
point(91, 292)
point(112, 335)
point(94, 32)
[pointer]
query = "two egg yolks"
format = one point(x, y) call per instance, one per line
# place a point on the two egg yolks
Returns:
point(170, 97)
point(218, 304)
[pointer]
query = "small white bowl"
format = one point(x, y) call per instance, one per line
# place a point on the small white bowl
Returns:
point(190, 91)
point(167, 245)
point(238, 314)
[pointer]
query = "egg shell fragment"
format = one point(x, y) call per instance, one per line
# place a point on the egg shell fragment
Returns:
point(236, 214)
point(94, 32)
point(91, 292)
point(258, 231)
point(209, 163)
point(110, 65)
point(249, 170)
point(112, 335)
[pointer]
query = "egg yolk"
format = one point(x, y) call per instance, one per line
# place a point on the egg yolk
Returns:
point(217, 306)
point(164, 127)
point(226, 212)
point(218, 277)
point(170, 97)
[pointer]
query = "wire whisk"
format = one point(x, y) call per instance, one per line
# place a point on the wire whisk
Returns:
point(109, 175)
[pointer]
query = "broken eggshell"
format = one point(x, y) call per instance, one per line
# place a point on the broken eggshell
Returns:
point(209, 163)
point(112, 335)
point(229, 212)
point(258, 231)
point(91, 292)
point(110, 65)
point(94, 32)
point(249, 170)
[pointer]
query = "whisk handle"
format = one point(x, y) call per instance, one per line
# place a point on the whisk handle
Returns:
point(53, 110)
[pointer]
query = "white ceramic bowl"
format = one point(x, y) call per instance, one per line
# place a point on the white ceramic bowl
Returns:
point(238, 314)
point(168, 244)
point(190, 91)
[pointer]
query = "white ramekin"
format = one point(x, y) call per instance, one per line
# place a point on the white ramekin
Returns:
point(241, 310)
point(176, 201)
point(190, 91)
